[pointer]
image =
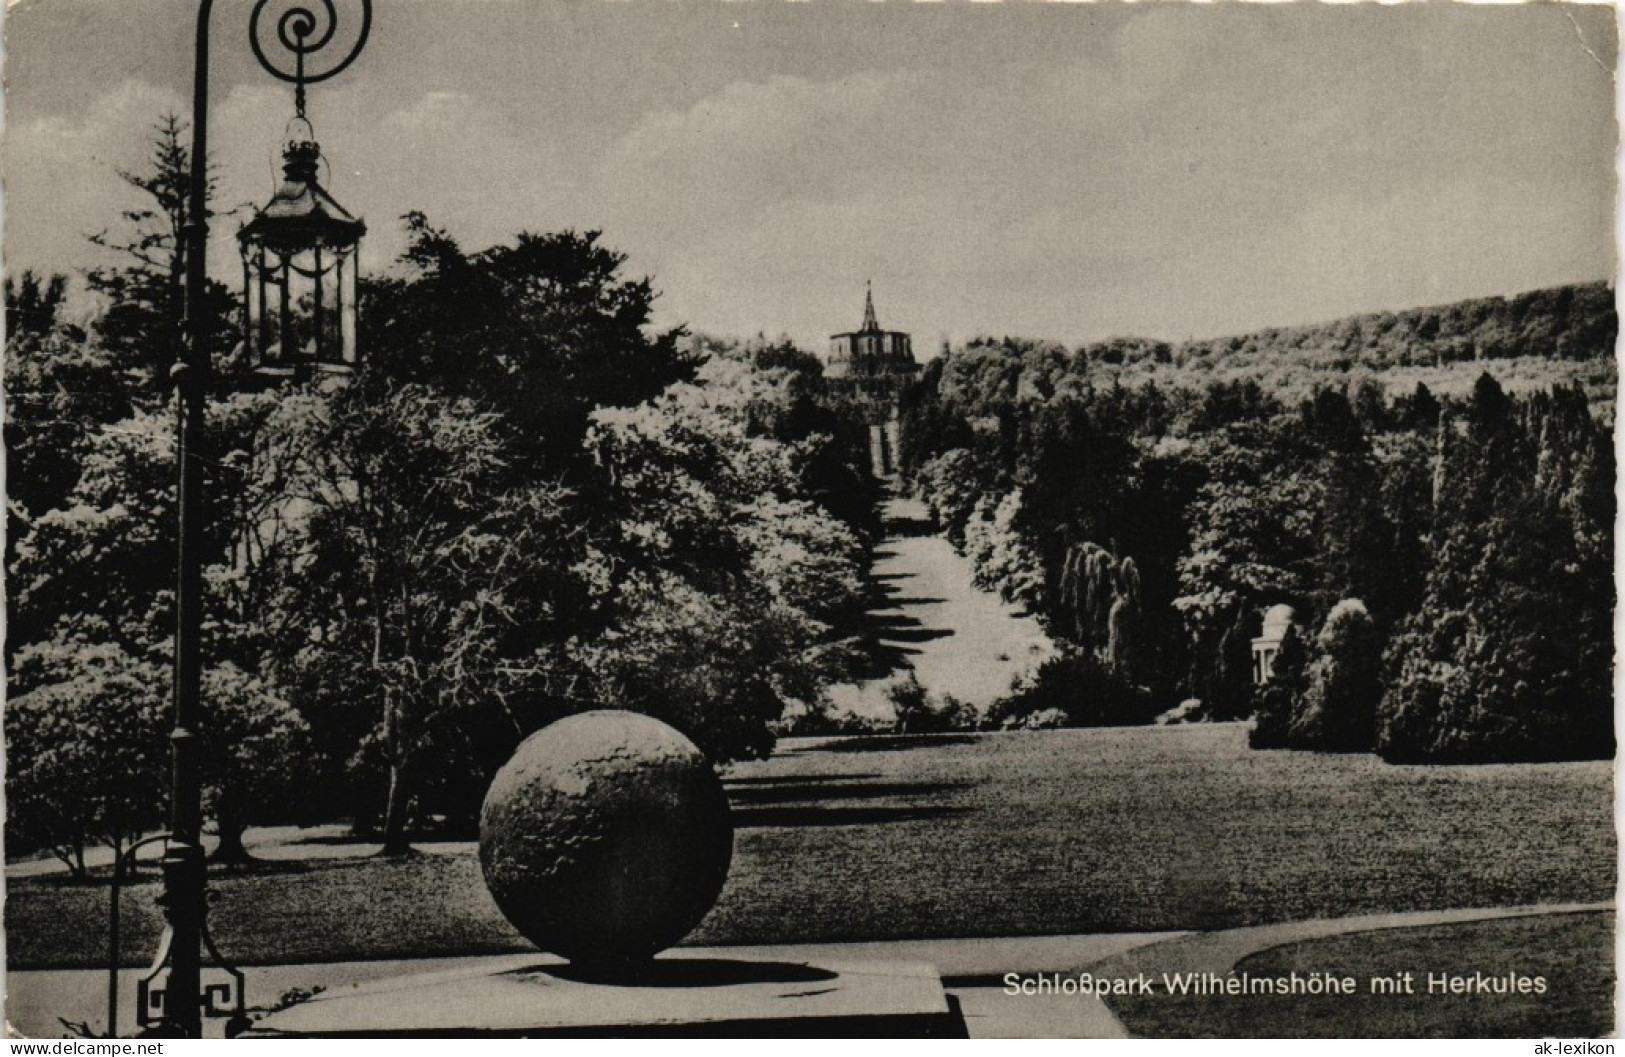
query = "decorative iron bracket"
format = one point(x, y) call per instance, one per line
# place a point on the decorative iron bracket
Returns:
point(301, 32)
point(223, 993)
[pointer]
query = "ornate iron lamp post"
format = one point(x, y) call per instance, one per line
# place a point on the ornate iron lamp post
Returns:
point(171, 997)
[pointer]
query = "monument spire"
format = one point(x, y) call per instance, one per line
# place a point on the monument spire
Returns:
point(869, 321)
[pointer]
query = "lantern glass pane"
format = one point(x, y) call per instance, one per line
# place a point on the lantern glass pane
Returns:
point(301, 303)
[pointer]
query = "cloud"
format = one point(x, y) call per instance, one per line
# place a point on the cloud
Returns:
point(64, 174)
point(978, 202)
point(477, 169)
point(750, 146)
point(1476, 235)
point(1170, 169)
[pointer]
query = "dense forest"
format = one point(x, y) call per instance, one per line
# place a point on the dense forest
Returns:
point(1562, 334)
point(1447, 554)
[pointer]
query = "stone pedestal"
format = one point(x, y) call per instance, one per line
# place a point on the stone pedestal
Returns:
point(683, 994)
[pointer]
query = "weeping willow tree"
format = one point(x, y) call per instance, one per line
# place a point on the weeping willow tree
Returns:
point(1102, 609)
point(1125, 627)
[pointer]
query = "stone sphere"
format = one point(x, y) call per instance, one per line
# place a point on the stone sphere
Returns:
point(606, 838)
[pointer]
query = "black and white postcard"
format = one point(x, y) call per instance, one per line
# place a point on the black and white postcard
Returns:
point(600, 518)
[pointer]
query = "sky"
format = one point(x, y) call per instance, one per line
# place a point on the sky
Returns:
point(1062, 171)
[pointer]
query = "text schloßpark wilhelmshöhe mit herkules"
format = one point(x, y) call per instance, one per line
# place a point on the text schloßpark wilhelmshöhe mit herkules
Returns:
point(1294, 983)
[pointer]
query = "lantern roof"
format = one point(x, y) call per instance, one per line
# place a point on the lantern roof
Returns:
point(301, 214)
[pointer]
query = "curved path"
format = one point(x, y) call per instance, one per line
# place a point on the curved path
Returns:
point(1220, 952)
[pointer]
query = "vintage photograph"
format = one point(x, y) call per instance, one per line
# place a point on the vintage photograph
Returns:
point(809, 518)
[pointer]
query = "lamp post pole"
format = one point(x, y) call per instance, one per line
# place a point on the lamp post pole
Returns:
point(185, 898)
point(185, 893)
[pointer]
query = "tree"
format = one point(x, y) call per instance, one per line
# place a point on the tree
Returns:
point(1230, 686)
point(1088, 589)
point(1354, 534)
point(145, 293)
point(1510, 655)
point(1281, 696)
point(999, 554)
point(60, 388)
point(785, 401)
point(93, 578)
point(540, 332)
point(89, 750)
point(1338, 709)
point(1076, 469)
point(952, 483)
point(32, 304)
point(1254, 526)
point(422, 556)
point(85, 749)
point(98, 568)
point(725, 593)
point(255, 756)
point(1125, 627)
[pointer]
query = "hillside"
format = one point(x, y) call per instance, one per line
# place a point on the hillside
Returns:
point(1529, 341)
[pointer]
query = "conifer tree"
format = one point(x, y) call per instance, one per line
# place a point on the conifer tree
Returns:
point(145, 290)
point(1230, 690)
point(1279, 698)
point(1125, 634)
point(1354, 534)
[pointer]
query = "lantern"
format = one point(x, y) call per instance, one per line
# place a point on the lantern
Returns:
point(299, 274)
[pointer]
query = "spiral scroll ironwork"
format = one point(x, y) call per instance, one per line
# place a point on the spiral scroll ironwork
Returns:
point(303, 29)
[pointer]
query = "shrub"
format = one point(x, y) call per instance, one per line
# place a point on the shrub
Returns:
point(1047, 719)
point(921, 712)
point(1190, 710)
point(1338, 711)
point(1077, 685)
point(1279, 698)
point(824, 722)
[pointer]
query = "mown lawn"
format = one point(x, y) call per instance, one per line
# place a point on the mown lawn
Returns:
point(1038, 832)
point(1573, 953)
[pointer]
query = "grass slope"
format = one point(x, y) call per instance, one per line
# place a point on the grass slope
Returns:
point(1037, 832)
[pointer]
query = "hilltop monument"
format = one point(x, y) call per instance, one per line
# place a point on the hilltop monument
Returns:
point(873, 366)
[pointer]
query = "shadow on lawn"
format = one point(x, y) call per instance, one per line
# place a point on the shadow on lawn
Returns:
point(888, 622)
point(886, 658)
point(905, 634)
point(814, 789)
point(886, 629)
point(792, 779)
point(794, 817)
point(887, 743)
point(909, 526)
